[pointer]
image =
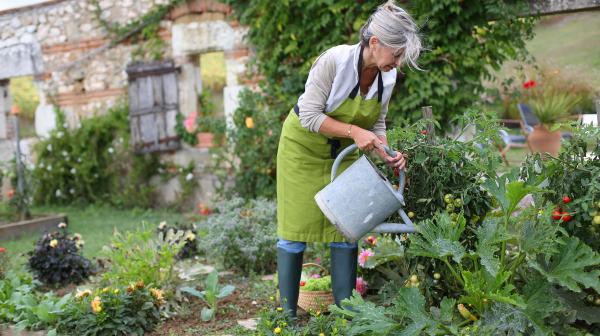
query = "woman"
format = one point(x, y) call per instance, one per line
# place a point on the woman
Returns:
point(345, 100)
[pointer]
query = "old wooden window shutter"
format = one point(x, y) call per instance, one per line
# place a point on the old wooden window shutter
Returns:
point(153, 106)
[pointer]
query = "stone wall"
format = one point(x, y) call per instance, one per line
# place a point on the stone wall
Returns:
point(63, 46)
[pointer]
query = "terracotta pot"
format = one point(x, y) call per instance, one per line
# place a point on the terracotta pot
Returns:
point(205, 140)
point(541, 140)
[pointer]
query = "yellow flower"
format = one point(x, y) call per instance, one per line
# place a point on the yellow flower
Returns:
point(321, 334)
point(190, 236)
point(116, 291)
point(96, 305)
point(279, 309)
point(140, 284)
point(130, 288)
point(277, 330)
point(105, 290)
point(249, 122)
point(53, 243)
point(82, 294)
point(158, 294)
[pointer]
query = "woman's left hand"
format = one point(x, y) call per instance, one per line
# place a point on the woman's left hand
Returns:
point(399, 161)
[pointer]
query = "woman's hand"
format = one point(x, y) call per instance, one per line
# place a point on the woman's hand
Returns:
point(399, 161)
point(365, 140)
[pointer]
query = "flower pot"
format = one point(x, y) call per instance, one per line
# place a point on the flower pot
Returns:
point(205, 140)
point(541, 140)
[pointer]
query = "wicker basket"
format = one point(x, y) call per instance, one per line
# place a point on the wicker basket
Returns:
point(315, 300)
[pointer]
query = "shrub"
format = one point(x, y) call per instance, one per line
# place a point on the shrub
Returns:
point(93, 163)
point(188, 234)
point(121, 310)
point(242, 235)
point(138, 256)
point(249, 156)
point(56, 259)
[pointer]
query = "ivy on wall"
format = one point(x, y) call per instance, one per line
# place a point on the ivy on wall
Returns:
point(143, 31)
point(464, 40)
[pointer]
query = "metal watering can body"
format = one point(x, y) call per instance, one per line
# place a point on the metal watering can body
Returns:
point(361, 198)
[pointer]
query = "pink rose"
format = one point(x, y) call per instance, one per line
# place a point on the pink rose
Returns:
point(190, 122)
point(364, 256)
point(361, 286)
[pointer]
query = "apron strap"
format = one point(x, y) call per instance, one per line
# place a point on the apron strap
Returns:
point(354, 91)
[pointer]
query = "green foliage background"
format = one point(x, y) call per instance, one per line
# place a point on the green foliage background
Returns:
point(464, 41)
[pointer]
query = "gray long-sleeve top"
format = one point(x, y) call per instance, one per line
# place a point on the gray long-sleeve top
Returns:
point(331, 79)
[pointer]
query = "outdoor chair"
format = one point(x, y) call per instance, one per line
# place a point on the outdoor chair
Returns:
point(510, 141)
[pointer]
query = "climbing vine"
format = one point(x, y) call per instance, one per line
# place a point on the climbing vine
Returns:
point(143, 30)
point(464, 40)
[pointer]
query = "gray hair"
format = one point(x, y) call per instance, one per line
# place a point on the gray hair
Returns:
point(395, 28)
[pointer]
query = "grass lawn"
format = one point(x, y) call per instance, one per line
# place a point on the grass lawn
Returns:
point(570, 41)
point(96, 224)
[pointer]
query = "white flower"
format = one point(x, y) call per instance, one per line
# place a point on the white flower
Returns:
point(62, 225)
point(60, 134)
point(65, 125)
point(58, 193)
point(73, 171)
point(162, 225)
point(64, 153)
point(95, 175)
point(110, 150)
point(49, 147)
point(189, 176)
point(41, 165)
point(72, 191)
point(79, 160)
point(49, 168)
point(121, 140)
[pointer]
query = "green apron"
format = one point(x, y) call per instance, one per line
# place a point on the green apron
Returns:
point(304, 161)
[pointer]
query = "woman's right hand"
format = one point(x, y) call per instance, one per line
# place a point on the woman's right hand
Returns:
point(365, 140)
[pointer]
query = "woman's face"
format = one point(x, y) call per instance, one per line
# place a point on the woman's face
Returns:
point(386, 58)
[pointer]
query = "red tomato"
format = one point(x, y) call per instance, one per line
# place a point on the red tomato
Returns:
point(566, 217)
point(424, 132)
point(302, 283)
point(566, 199)
point(556, 214)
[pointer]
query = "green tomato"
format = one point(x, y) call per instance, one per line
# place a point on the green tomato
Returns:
point(596, 220)
point(458, 202)
point(448, 198)
point(598, 204)
point(450, 207)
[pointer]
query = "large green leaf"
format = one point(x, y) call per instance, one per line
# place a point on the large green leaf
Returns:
point(489, 236)
point(480, 286)
point(540, 303)
point(367, 318)
point(439, 238)
point(508, 191)
point(570, 267)
point(538, 235)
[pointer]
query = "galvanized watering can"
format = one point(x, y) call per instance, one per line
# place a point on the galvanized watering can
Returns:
point(361, 198)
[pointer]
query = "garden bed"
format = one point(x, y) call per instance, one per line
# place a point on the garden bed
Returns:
point(40, 224)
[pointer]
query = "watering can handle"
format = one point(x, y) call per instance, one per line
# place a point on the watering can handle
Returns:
point(352, 148)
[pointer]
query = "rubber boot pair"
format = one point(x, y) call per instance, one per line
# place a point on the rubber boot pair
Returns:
point(289, 269)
